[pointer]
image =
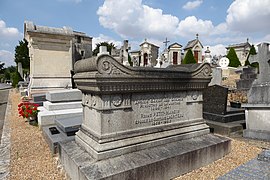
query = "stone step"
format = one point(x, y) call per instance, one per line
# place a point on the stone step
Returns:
point(48, 117)
point(65, 95)
point(179, 157)
point(69, 125)
point(227, 129)
point(54, 139)
point(50, 106)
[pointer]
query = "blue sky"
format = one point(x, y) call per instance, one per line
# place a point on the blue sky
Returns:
point(218, 22)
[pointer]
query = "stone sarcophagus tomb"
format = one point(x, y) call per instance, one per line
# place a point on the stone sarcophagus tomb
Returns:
point(140, 123)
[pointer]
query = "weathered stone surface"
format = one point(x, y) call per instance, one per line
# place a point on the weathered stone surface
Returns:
point(253, 169)
point(49, 46)
point(216, 77)
point(135, 120)
point(51, 106)
point(64, 95)
point(54, 139)
point(258, 107)
point(69, 125)
point(48, 117)
point(161, 162)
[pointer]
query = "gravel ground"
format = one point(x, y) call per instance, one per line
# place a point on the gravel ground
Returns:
point(32, 159)
point(30, 154)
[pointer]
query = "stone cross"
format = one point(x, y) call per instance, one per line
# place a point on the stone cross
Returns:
point(263, 58)
point(166, 43)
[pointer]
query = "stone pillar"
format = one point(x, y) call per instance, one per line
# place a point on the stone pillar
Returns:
point(258, 107)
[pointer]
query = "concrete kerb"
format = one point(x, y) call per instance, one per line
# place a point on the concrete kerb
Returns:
point(5, 144)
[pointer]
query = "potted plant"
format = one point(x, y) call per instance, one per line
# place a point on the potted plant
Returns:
point(236, 98)
point(28, 110)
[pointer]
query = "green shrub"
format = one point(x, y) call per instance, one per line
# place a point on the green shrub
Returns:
point(189, 58)
point(234, 61)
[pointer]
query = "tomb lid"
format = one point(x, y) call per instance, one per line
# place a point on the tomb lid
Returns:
point(104, 74)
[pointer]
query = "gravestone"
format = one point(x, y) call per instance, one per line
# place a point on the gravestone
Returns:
point(216, 77)
point(247, 77)
point(60, 116)
point(140, 122)
point(258, 107)
point(215, 106)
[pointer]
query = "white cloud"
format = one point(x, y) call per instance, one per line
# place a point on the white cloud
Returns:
point(8, 32)
point(218, 49)
point(192, 4)
point(191, 26)
point(131, 19)
point(7, 57)
point(249, 16)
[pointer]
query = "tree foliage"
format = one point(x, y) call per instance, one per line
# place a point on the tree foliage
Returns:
point(16, 77)
point(234, 61)
point(189, 58)
point(22, 54)
point(110, 46)
point(130, 61)
point(2, 64)
point(252, 51)
point(8, 71)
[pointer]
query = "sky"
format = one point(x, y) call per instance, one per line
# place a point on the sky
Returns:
point(219, 23)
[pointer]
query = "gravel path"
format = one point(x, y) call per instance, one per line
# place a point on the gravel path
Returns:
point(31, 157)
point(30, 154)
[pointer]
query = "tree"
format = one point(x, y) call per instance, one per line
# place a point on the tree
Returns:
point(110, 46)
point(2, 64)
point(130, 61)
point(252, 51)
point(189, 58)
point(22, 54)
point(234, 61)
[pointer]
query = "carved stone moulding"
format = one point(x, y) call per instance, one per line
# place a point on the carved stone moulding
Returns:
point(104, 74)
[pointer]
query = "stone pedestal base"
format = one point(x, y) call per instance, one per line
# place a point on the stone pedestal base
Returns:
point(257, 121)
point(46, 84)
point(160, 162)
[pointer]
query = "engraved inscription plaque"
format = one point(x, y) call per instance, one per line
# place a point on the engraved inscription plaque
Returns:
point(158, 109)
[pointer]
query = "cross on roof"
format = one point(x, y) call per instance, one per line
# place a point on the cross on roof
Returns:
point(166, 42)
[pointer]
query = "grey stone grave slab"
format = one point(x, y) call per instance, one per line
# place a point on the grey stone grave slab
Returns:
point(264, 156)
point(69, 125)
point(54, 139)
point(65, 95)
point(140, 123)
point(253, 169)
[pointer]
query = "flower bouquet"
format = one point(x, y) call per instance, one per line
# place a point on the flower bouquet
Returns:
point(28, 110)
